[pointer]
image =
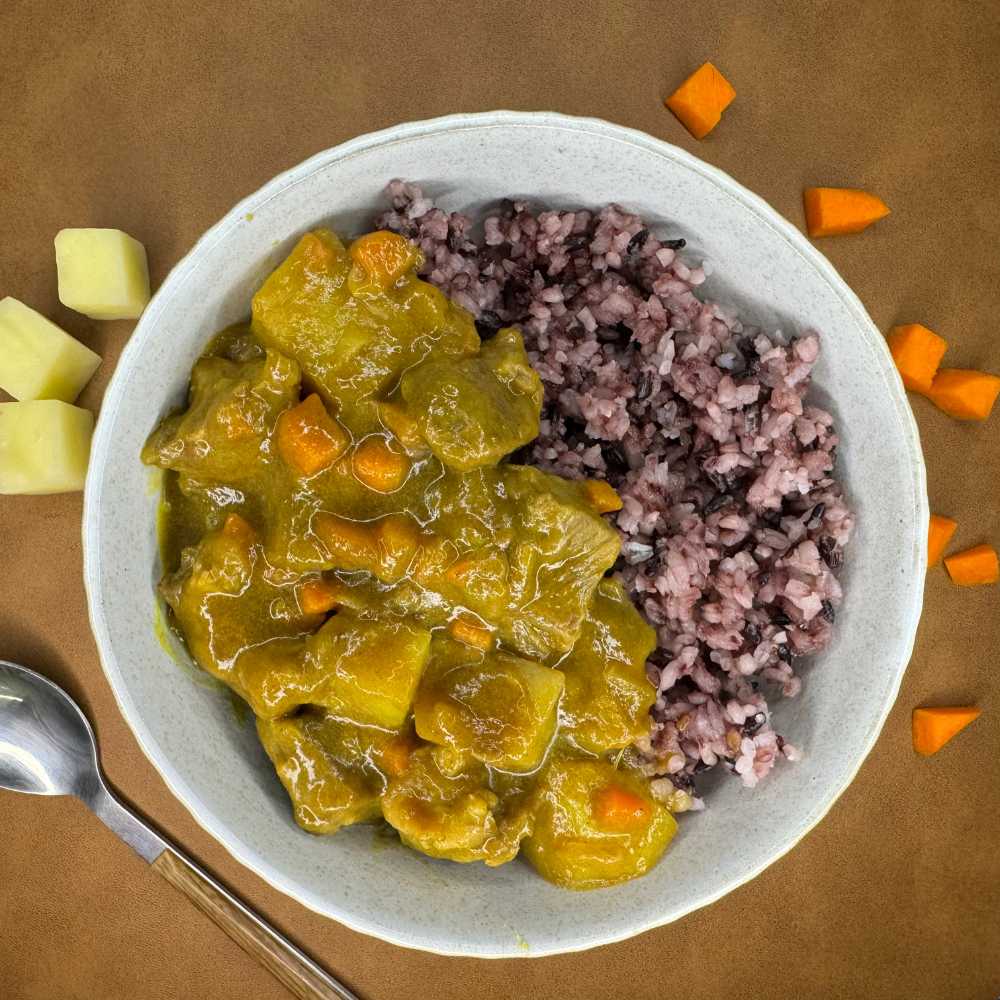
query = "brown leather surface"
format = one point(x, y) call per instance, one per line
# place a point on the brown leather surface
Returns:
point(157, 117)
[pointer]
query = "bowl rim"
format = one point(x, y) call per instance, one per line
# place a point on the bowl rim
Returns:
point(102, 446)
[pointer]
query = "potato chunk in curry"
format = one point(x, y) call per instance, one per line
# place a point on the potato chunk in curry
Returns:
point(443, 805)
point(423, 630)
point(608, 696)
point(353, 338)
point(595, 825)
point(334, 771)
point(498, 707)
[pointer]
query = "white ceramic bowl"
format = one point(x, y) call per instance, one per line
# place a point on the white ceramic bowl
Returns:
point(765, 267)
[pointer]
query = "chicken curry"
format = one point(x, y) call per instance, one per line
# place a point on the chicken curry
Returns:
point(425, 631)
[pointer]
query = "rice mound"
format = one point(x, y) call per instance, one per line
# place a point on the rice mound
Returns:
point(733, 522)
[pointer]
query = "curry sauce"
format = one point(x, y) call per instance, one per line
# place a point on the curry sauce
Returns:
point(424, 631)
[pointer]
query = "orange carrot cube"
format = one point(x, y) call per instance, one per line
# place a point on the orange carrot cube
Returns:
point(601, 496)
point(939, 535)
point(700, 100)
point(384, 256)
point(964, 394)
point(836, 211)
point(933, 727)
point(471, 633)
point(316, 597)
point(974, 567)
point(617, 808)
point(379, 467)
point(917, 352)
point(308, 439)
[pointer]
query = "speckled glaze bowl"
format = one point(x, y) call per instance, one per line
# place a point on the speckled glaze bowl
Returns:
point(764, 266)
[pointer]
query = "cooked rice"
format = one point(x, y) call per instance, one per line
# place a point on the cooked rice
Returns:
point(733, 522)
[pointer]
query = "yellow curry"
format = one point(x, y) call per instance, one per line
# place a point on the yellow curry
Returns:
point(424, 631)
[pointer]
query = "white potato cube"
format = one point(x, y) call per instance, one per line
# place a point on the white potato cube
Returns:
point(44, 446)
point(39, 360)
point(102, 273)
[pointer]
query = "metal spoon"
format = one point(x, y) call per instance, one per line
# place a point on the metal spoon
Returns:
point(48, 748)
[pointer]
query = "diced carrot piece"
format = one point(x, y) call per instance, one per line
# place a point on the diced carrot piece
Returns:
point(316, 597)
point(700, 100)
point(601, 496)
point(471, 633)
point(308, 438)
point(238, 527)
point(836, 211)
point(397, 533)
point(398, 422)
point(384, 256)
point(933, 727)
point(398, 537)
point(917, 352)
point(938, 536)
point(973, 567)
point(964, 393)
point(315, 251)
point(616, 808)
point(395, 755)
point(379, 467)
point(351, 545)
point(459, 570)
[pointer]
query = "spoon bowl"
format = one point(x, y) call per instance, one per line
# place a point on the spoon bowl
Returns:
point(48, 748)
point(46, 744)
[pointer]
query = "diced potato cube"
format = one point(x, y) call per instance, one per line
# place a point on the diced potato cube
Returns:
point(370, 668)
point(38, 360)
point(44, 446)
point(608, 696)
point(328, 767)
point(442, 804)
point(595, 825)
point(498, 707)
point(562, 549)
point(102, 273)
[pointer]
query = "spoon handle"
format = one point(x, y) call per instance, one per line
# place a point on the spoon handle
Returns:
point(299, 973)
point(279, 956)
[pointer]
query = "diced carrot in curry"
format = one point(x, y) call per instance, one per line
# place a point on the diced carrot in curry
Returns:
point(838, 211)
point(934, 727)
point(601, 496)
point(397, 533)
point(974, 567)
point(917, 353)
point(379, 467)
point(384, 256)
point(316, 597)
point(350, 543)
point(700, 100)
point(616, 808)
point(471, 633)
point(398, 538)
point(395, 755)
point(964, 393)
point(308, 438)
point(317, 252)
